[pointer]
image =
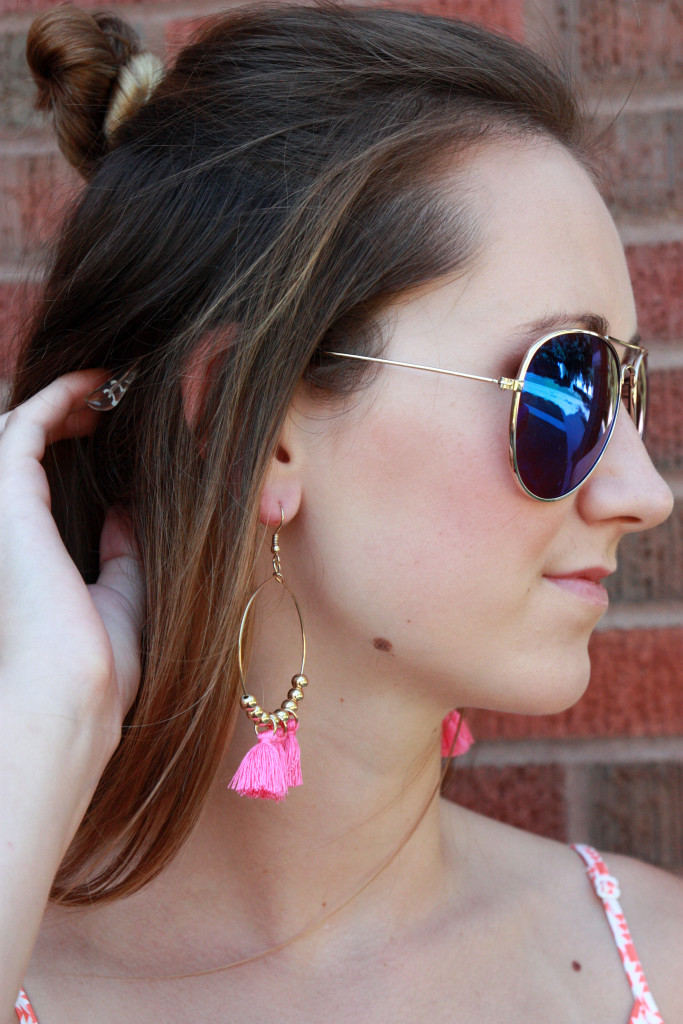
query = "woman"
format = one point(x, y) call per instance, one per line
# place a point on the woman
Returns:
point(309, 196)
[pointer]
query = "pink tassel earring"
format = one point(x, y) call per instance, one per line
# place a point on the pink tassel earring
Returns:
point(273, 764)
point(292, 754)
point(456, 738)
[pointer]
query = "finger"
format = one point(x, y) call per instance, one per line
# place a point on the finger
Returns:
point(120, 563)
point(56, 412)
point(119, 598)
point(117, 539)
point(47, 390)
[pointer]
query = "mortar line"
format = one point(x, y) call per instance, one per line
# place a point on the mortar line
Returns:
point(568, 752)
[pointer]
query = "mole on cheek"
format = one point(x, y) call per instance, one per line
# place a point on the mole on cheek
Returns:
point(380, 644)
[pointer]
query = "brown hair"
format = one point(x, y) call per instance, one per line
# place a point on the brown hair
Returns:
point(279, 187)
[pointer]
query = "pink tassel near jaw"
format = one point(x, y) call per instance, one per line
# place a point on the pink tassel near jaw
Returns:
point(451, 725)
point(292, 754)
point(263, 773)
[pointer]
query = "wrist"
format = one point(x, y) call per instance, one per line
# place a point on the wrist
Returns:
point(53, 760)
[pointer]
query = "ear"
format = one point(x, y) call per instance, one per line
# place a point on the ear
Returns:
point(281, 494)
point(282, 488)
point(200, 370)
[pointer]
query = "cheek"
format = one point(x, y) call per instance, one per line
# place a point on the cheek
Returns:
point(433, 514)
point(439, 472)
point(417, 476)
point(423, 537)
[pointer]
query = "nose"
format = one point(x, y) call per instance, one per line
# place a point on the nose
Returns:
point(625, 487)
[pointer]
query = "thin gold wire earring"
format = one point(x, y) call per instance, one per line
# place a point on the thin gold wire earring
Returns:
point(273, 764)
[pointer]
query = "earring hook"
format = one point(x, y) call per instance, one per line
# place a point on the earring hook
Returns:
point(275, 547)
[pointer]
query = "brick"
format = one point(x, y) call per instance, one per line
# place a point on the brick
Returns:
point(657, 276)
point(632, 809)
point(178, 32)
point(636, 809)
point(651, 563)
point(23, 6)
point(665, 420)
point(17, 90)
point(636, 690)
point(527, 796)
point(674, 155)
point(630, 42)
point(33, 190)
point(640, 161)
point(505, 16)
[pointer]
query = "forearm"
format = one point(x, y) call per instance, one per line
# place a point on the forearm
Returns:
point(69, 666)
point(48, 771)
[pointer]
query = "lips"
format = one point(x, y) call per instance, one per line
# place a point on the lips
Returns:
point(584, 584)
point(595, 574)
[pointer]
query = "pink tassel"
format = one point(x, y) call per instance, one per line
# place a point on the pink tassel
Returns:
point(292, 754)
point(262, 773)
point(451, 725)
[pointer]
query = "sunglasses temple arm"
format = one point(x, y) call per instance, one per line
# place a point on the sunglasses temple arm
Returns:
point(506, 383)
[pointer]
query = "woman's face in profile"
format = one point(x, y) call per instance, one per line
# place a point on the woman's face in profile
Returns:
point(423, 533)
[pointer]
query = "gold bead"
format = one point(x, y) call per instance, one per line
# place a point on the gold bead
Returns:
point(265, 718)
point(255, 712)
point(299, 681)
point(247, 701)
point(289, 705)
point(282, 715)
point(296, 694)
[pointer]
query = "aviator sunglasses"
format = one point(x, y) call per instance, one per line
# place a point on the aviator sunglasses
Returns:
point(565, 400)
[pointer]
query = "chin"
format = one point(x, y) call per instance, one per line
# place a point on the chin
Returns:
point(545, 689)
point(565, 688)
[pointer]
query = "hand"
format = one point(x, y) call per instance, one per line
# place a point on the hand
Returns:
point(67, 650)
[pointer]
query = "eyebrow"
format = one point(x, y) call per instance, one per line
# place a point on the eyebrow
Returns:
point(534, 329)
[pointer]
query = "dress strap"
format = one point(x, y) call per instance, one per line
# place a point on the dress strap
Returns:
point(608, 892)
point(24, 1010)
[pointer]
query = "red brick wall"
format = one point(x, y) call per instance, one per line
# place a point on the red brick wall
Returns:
point(609, 770)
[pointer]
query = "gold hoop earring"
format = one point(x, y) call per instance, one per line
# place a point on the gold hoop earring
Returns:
point(273, 764)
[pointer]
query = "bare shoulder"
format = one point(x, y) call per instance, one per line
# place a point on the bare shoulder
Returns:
point(550, 880)
point(523, 858)
point(542, 872)
point(652, 901)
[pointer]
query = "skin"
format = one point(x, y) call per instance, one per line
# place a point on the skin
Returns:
point(404, 522)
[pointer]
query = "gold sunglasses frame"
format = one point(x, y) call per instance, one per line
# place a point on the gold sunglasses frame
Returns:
point(632, 380)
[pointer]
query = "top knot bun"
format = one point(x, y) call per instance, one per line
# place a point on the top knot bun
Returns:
point(77, 60)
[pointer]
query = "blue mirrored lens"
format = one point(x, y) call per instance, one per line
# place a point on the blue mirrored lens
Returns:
point(566, 412)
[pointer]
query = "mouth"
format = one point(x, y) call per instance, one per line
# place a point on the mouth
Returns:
point(583, 584)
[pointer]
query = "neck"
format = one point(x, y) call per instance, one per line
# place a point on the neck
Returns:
point(359, 844)
point(364, 825)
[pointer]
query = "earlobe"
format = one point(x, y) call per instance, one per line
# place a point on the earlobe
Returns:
point(281, 494)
